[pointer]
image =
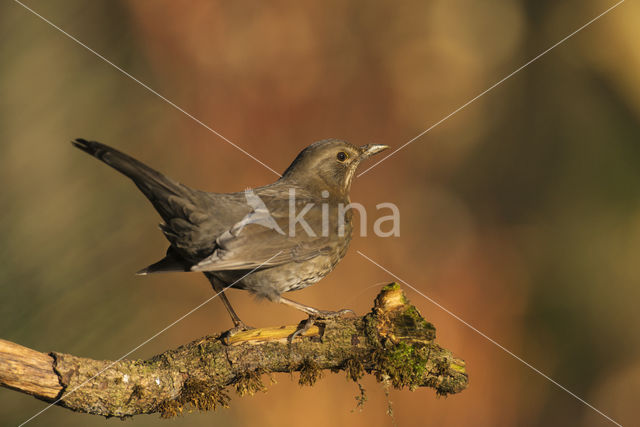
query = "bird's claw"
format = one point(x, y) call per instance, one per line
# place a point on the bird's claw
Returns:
point(240, 327)
point(302, 328)
point(318, 315)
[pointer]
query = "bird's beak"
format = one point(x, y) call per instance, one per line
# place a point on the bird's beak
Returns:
point(371, 149)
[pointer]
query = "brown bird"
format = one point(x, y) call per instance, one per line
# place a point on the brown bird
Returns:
point(270, 240)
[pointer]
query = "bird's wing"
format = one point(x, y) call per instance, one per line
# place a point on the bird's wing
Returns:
point(266, 242)
point(197, 225)
point(194, 227)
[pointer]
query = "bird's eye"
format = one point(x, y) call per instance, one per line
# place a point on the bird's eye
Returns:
point(342, 156)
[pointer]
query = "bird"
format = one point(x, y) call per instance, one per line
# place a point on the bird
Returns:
point(270, 240)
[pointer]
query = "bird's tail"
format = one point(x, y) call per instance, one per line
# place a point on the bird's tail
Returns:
point(156, 186)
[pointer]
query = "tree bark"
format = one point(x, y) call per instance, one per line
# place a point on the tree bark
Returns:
point(392, 342)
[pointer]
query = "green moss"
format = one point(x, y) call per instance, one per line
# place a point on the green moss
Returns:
point(440, 370)
point(405, 353)
point(203, 396)
point(403, 364)
point(354, 369)
point(392, 295)
point(456, 366)
point(250, 383)
point(404, 356)
point(410, 324)
point(200, 395)
point(391, 287)
point(170, 409)
point(361, 398)
point(370, 329)
point(310, 372)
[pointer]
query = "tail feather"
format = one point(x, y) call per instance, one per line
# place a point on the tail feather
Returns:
point(170, 263)
point(156, 186)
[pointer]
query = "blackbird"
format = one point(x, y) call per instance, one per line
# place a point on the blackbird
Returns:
point(270, 240)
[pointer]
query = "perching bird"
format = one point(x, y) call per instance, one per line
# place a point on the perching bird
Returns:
point(270, 240)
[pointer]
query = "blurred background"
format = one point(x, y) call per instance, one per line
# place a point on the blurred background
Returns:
point(521, 213)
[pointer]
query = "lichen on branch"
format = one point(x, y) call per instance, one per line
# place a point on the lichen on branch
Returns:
point(393, 342)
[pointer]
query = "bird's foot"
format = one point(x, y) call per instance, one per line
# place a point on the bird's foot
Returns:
point(318, 315)
point(239, 327)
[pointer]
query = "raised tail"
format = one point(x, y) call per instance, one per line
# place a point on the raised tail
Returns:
point(157, 187)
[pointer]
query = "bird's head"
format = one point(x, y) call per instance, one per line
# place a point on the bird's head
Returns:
point(330, 164)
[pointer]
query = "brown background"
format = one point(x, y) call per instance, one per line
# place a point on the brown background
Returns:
point(520, 214)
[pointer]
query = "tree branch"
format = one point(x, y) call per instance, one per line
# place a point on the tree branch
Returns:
point(392, 342)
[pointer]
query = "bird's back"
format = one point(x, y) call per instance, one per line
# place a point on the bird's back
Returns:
point(288, 231)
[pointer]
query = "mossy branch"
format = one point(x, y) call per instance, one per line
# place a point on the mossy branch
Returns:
point(392, 342)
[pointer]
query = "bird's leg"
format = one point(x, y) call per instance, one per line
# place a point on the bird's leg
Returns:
point(238, 325)
point(314, 314)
